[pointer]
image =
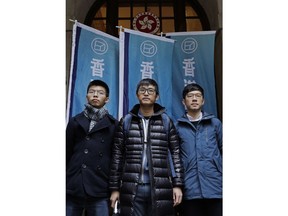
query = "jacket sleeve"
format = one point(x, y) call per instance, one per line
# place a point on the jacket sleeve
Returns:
point(117, 158)
point(69, 140)
point(175, 153)
point(219, 135)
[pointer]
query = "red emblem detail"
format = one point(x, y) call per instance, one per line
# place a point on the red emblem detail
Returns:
point(146, 22)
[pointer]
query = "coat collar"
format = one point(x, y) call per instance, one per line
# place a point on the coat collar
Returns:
point(205, 116)
point(84, 123)
point(158, 109)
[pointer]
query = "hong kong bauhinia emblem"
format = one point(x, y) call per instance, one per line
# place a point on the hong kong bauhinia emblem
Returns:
point(146, 22)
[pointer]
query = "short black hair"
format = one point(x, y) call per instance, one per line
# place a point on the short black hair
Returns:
point(192, 87)
point(146, 82)
point(99, 83)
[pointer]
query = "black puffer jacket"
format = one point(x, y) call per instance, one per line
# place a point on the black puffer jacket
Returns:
point(127, 158)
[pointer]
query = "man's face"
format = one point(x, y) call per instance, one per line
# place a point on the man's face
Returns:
point(193, 101)
point(147, 95)
point(96, 96)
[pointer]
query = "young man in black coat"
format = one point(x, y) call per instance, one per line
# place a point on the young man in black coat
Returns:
point(141, 175)
point(89, 138)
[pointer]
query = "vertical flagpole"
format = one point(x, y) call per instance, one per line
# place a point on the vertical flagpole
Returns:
point(121, 72)
point(71, 70)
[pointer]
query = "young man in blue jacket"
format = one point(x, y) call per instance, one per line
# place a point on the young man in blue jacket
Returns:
point(89, 138)
point(200, 137)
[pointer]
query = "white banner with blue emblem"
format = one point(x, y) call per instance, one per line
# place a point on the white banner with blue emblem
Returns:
point(193, 62)
point(144, 55)
point(95, 55)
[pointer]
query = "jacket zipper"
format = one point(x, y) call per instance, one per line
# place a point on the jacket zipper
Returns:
point(144, 161)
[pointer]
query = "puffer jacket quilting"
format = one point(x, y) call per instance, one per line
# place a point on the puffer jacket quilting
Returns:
point(160, 175)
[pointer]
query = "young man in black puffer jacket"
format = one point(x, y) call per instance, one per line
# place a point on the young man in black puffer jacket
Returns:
point(141, 175)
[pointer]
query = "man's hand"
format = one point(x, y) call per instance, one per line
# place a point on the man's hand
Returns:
point(177, 196)
point(114, 196)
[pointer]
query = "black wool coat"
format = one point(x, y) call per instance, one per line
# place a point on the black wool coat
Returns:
point(88, 156)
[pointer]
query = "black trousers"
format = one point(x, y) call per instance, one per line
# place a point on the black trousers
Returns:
point(201, 207)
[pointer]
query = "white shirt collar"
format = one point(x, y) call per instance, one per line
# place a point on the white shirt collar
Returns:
point(194, 119)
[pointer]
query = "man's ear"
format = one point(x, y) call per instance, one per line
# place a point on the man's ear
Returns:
point(183, 102)
point(106, 100)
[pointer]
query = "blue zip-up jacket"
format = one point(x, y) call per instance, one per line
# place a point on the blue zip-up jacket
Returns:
point(201, 155)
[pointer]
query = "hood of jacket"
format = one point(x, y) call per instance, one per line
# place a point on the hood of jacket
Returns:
point(158, 110)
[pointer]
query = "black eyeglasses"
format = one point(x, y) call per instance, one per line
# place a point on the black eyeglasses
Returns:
point(149, 90)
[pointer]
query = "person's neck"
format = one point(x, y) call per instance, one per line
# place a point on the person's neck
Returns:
point(147, 111)
point(195, 115)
